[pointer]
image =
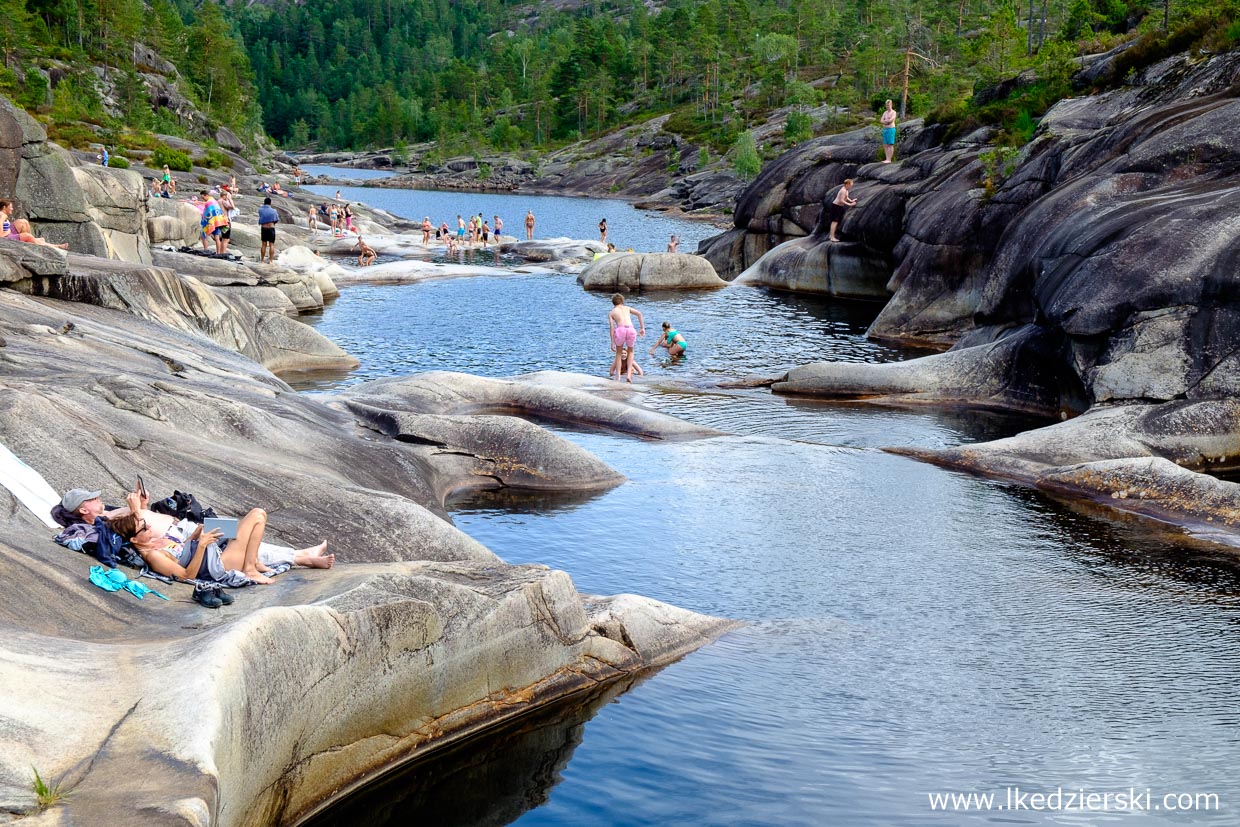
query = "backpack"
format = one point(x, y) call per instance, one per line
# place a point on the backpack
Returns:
point(182, 506)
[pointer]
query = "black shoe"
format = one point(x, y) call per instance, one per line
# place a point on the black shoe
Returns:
point(224, 597)
point(207, 596)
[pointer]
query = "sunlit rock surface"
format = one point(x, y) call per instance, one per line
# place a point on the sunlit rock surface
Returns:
point(152, 712)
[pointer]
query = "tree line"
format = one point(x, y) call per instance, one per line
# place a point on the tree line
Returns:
point(485, 74)
point(63, 39)
point(469, 74)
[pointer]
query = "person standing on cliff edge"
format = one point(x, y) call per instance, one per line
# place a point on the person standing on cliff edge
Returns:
point(839, 206)
point(888, 120)
point(529, 226)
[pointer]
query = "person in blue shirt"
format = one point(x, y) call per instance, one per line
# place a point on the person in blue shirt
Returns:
point(267, 220)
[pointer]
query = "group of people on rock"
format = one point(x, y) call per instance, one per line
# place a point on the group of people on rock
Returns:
point(164, 186)
point(338, 218)
point(200, 555)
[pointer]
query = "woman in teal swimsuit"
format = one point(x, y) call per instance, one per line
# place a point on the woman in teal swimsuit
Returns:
point(672, 340)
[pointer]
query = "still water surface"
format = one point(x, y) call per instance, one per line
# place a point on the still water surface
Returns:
point(910, 630)
point(644, 231)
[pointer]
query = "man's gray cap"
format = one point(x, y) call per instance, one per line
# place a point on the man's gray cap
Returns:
point(72, 500)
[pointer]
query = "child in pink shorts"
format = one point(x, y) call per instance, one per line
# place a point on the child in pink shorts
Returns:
point(622, 337)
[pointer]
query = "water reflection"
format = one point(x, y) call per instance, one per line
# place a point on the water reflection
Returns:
point(522, 323)
point(912, 629)
point(485, 781)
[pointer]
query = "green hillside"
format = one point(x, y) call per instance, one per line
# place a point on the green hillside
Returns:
point(482, 75)
point(119, 69)
point(494, 74)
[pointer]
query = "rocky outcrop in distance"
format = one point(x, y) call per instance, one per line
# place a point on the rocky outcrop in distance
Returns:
point(1095, 276)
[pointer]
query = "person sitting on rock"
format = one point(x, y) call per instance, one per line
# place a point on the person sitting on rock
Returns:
point(150, 534)
point(264, 187)
point(199, 557)
point(366, 253)
point(22, 230)
point(6, 223)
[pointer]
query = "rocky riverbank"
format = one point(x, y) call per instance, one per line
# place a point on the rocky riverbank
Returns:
point(1094, 276)
point(160, 363)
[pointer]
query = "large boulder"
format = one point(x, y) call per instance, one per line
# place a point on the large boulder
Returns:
point(21, 262)
point(1022, 370)
point(649, 271)
point(1139, 458)
point(541, 396)
point(816, 265)
point(554, 249)
point(188, 305)
point(116, 201)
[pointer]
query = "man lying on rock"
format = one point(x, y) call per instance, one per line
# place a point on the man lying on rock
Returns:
point(84, 506)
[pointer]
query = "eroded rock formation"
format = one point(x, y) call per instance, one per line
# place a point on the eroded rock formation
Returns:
point(1098, 275)
point(258, 712)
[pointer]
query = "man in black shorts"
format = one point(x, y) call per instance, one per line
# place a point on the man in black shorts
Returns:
point(267, 220)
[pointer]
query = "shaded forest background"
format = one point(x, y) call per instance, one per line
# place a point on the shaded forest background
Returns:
point(476, 75)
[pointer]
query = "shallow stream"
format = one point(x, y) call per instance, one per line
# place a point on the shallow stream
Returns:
point(910, 630)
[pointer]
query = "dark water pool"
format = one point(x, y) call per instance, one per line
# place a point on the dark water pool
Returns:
point(911, 631)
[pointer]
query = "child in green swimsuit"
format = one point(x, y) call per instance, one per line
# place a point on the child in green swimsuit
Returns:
point(672, 340)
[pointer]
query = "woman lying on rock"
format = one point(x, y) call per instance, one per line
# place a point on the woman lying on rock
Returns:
point(21, 231)
point(150, 533)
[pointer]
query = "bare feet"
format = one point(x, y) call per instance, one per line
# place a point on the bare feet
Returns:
point(315, 557)
point(835, 240)
point(258, 577)
point(321, 561)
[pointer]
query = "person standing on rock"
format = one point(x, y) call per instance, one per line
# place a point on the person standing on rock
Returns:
point(213, 221)
point(839, 206)
point(267, 220)
point(888, 122)
point(529, 226)
point(426, 231)
point(486, 234)
point(170, 183)
point(312, 220)
point(499, 228)
point(602, 230)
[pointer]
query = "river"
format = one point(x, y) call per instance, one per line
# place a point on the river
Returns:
point(644, 231)
point(910, 630)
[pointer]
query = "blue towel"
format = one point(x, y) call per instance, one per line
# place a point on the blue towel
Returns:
point(141, 590)
point(110, 580)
